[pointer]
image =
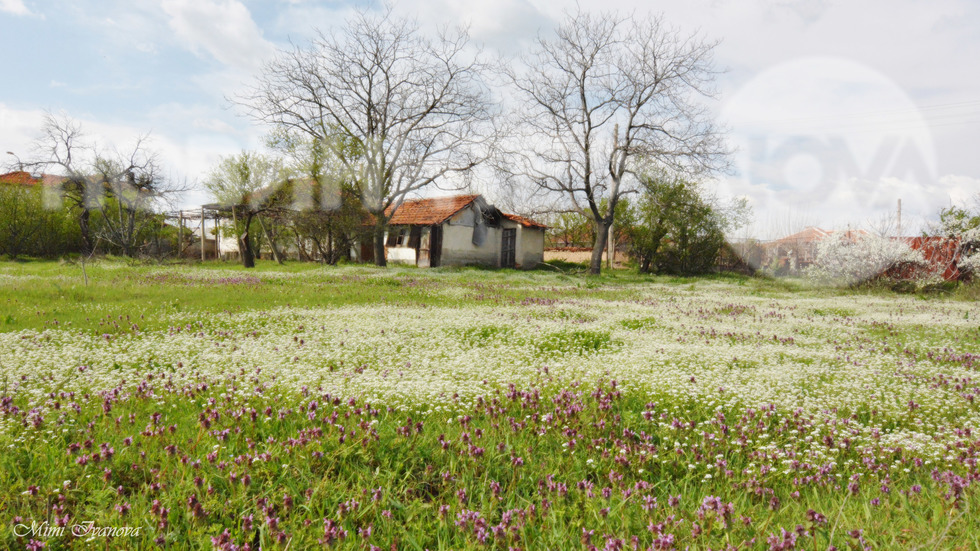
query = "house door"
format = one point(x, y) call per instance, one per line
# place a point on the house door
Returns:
point(508, 248)
point(423, 251)
point(435, 246)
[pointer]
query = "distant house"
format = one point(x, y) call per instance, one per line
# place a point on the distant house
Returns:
point(462, 230)
point(797, 251)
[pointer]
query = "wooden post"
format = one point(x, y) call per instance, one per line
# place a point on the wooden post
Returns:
point(180, 234)
point(202, 235)
point(610, 248)
point(217, 240)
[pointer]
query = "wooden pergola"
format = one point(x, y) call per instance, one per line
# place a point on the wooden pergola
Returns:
point(213, 212)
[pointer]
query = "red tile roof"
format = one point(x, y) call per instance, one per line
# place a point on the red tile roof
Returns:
point(23, 178)
point(812, 234)
point(809, 234)
point(428, 212)
point(526, 222)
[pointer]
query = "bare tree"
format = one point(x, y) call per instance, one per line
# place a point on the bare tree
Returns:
point(124, 187)
point(61, 148)
point(399, 110)
point(134, 186)
point(602, 93)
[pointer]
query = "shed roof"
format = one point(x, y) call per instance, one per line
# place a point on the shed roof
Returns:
point(428, 212)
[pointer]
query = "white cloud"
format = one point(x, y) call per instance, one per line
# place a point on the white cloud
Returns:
point(504, 25)
point(15, 7)
point(222, 28)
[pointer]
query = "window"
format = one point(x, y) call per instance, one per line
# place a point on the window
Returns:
point(397, 237)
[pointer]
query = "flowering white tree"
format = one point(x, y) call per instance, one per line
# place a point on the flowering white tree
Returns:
point(962, 226)
point(969, 244)
point(849, 258)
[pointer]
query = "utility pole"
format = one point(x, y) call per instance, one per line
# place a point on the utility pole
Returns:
point(899, 217)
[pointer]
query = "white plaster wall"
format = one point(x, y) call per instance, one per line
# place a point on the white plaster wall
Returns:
point(465, 217)
point(458, 248)
point(530, 251)
point(401, 255)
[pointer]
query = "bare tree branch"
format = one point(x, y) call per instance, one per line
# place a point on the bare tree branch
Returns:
point(603, 93)
point(415, 109)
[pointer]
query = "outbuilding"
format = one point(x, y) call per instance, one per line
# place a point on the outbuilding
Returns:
point(462, 230)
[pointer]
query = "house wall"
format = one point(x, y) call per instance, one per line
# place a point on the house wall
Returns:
point(530, 247)
point(458, 248)
point(400, 255)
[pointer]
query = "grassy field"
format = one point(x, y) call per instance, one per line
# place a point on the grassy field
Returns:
point(300, 407)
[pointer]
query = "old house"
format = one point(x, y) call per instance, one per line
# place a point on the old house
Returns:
point(462, 230)
point(794, 253)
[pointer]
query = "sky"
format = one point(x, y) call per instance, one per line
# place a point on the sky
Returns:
point(835, 109)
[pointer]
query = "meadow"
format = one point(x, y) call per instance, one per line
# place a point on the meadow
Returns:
point(303, 407)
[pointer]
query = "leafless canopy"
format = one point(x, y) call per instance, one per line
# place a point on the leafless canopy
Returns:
point(93, 174)
point(603, 93)
point(398, 109)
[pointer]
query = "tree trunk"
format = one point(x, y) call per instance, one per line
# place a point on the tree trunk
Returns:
point(645, 265)
point(245, 244)
point(272, 244)
point(301, 250)
point(379, 240)
point(86, 231)
point(323, 254)
point(595, 264)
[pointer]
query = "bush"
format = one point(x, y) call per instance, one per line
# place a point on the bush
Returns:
point(29, 228)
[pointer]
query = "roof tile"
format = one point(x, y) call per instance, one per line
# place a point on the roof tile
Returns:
point(428, 212)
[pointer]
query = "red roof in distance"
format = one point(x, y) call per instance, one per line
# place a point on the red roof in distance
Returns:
point(24, 178)
point(813, 234)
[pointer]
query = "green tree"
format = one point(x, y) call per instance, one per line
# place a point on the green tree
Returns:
point(29, 228)
point(326, 207)
point(22, 219)
point(111, 192)
point(247, 184)
point(673, 229)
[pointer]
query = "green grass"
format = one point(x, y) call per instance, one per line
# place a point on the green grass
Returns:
point(45, 294)
point(169, 444)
